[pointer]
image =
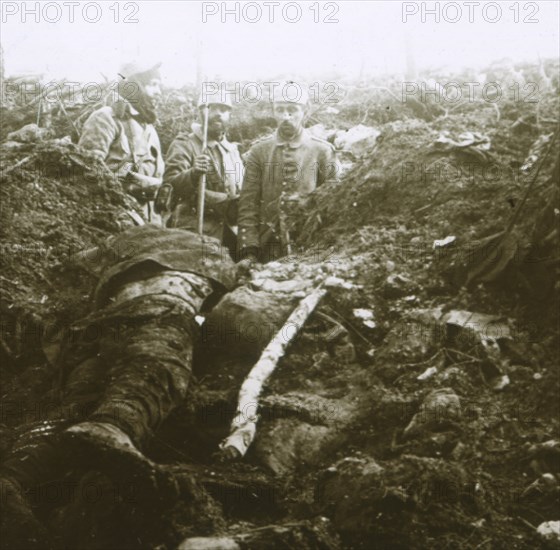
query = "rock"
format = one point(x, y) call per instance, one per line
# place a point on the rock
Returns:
point(289, 443)
point(413, 337)
point(358, 493)
point(440, 407)
point(549, 531)
point(343, 487)
point(209, 543)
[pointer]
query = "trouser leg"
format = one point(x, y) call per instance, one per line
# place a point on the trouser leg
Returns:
point(148, 375)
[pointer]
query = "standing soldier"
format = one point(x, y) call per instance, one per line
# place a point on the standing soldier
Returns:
point(123, 135)
point(222, 164)
point(282, 168)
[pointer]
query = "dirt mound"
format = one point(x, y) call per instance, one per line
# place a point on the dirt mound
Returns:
point(57, 203)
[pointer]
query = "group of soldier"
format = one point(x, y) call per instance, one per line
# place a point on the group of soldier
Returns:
point(244, 202)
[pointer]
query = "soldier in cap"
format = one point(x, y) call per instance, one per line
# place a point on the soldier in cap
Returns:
point(123, 135)
point(186, 162)
point(282, 168)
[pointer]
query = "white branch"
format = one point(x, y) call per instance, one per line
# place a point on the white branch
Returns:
point(244, 425)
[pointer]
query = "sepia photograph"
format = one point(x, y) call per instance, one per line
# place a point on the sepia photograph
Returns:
point(279, 275)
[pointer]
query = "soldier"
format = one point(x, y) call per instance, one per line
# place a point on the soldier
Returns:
point(282, 168)
point(121, 385)
point(123, 135)
point(222, 164)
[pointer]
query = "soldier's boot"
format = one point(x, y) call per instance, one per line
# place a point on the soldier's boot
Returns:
point(32, 461)
point(105, 447)
point(19, 528)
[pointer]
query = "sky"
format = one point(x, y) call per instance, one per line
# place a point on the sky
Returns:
point(257, 40)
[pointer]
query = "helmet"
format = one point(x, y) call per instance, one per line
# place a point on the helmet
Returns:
point(290, 92)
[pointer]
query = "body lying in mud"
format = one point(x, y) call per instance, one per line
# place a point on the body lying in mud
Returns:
point(128, 379)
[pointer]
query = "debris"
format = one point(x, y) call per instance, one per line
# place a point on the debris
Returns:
point(472, 144)
point(290, 287)
point(550, 531)
point(359, 140)
point(428, 373)
point(500, 382)
point(366, 315)
point(440, 407)
point(30, 133)
point(397, 285)
point(337, 282)
point(444, 242)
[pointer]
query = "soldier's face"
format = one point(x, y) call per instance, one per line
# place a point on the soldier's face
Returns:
point(153, 88)
point(218, 118)
point(289, 116)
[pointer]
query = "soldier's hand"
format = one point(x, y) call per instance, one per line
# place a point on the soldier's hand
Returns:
point(201, 164)
point(245, 267)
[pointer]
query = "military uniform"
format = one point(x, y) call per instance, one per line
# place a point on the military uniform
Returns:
point(137, 366)
point(223, 181)
point(106, 133)
point(276, 171)
point(119, 135)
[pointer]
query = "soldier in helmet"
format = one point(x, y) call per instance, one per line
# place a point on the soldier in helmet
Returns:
point(222, 164)
point(123, 135)
point(282, 168)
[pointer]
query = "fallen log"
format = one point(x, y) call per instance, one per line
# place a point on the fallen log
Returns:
point(244, 424)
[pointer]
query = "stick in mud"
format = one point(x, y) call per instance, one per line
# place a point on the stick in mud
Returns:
point(244, 424)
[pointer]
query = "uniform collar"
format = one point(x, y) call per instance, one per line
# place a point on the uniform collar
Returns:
point(296, 142)
point(224, 143)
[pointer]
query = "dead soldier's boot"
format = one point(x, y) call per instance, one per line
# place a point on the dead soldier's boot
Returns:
point(147, 340)
point(28, 474)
